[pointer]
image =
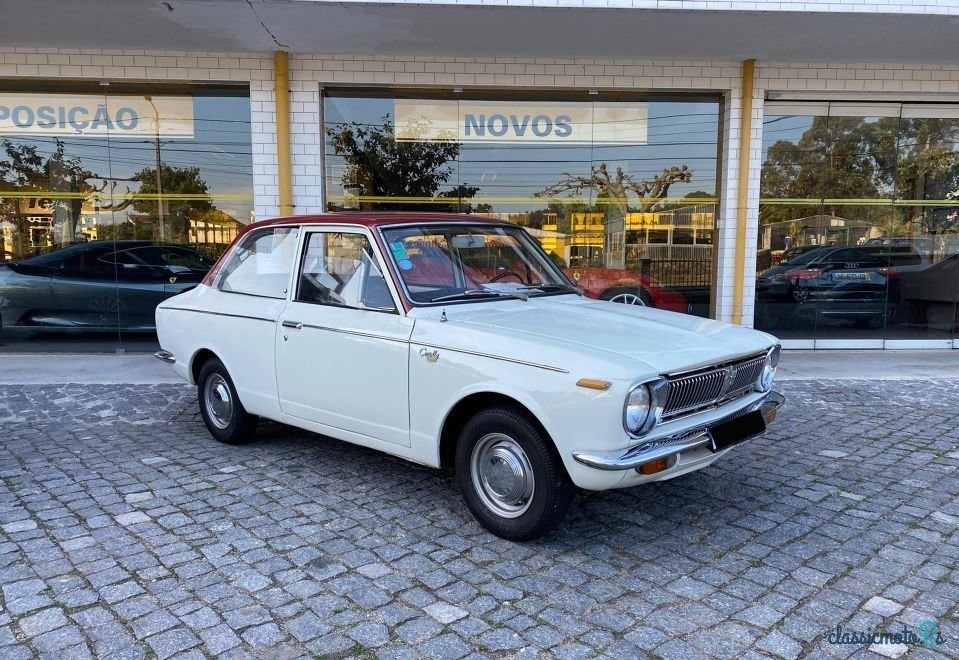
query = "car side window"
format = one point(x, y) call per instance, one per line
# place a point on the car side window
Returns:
point(340, 269)
point(260, 264)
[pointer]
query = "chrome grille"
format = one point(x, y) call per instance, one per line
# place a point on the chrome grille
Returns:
point(686, 393)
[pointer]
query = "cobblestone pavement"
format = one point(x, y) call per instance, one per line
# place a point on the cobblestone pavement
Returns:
point(128, 532)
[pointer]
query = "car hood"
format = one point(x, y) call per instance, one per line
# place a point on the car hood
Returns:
point(663, 341)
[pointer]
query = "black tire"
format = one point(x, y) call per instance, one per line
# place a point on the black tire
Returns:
point(621, 294)
point(502, 430)
point(238, 425)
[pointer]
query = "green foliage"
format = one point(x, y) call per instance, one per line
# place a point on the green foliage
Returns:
point(174, 181)
point(379, 165)
point(852, 158)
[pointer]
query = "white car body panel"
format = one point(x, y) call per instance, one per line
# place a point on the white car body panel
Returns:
point(389, 381)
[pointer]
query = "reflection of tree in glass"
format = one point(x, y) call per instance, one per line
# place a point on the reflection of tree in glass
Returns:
point(855, 160)
point(177, 182)
point(613, 189)
point(928, 169)
point(68, 185)
point(380, 164)
point(24, 170)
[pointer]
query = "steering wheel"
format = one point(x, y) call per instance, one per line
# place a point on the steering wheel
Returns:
point(507, 273)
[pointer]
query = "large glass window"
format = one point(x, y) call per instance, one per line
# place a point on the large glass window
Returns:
point(620, 190)
point(112, 199)
point(859, 221)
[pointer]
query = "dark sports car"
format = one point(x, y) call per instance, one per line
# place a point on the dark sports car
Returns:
point(100, 285)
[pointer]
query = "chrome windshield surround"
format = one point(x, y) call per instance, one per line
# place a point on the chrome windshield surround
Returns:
point(393, 266)
point(692, 391)
point(657, 400)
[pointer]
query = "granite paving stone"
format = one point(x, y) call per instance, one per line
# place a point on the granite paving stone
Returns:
point(127, 532)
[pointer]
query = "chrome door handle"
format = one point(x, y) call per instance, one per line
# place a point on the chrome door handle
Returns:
point(296, 325)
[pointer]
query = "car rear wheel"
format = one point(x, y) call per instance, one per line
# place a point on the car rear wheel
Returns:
point(628, 296)
point(510, 476)
point(225, 417)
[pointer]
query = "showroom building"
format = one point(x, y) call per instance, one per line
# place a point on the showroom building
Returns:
point(821, 205)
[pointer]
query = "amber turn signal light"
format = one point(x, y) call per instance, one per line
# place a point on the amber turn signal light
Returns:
point(653, 467)
point(594, 383)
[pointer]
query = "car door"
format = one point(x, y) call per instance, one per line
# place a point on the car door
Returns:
point(140, 288)
point(342, 349)
point(85, 289)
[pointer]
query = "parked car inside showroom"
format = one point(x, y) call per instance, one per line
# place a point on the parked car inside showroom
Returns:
point(96, 286)
point(847, 284)
point(399, 333)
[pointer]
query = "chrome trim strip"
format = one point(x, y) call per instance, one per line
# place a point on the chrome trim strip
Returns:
point(165, 356)
point(691, 438)
point(236, 316)
point(495, 357)
point(718, 365)
point(615, 461)
point(353, 332)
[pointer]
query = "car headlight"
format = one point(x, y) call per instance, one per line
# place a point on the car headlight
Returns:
point(644, 406)
point(637, 409)
point(765, 380)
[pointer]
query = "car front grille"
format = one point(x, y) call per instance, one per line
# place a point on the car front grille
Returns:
point(687, 393)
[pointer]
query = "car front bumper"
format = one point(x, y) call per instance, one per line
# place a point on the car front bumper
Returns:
point(694, 437)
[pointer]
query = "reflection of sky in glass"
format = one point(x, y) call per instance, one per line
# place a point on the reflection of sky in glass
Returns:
point(679, 133)
point(220, 148)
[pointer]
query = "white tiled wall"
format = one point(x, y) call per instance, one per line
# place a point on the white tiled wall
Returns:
point(309, 73)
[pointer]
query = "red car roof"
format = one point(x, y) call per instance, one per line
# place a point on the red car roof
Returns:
point(373, 219)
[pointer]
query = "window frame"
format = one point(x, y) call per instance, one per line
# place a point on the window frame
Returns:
point(401, 282)
point(252, 236)
point(294, 292)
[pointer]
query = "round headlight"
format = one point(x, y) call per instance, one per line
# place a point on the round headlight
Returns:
point(765, 382)
point(637, 409)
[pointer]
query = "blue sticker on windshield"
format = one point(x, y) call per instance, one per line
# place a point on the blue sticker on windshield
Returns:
point(405, 264)
point(400, 253)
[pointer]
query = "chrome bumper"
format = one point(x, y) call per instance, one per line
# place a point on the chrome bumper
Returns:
point(687, 440)
point(165, 356)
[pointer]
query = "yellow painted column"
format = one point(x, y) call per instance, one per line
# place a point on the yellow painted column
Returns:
point(284, 165)
point(742, 201)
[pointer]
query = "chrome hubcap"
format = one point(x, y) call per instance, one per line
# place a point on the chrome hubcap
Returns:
point(628, 299)
point(219, 404)
point(502, 475)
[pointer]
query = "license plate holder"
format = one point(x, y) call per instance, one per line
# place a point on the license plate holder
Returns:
point(737, 430)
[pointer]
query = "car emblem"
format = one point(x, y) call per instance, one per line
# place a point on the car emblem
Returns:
point(172, 280)
point(728, 379)
point(431, 356)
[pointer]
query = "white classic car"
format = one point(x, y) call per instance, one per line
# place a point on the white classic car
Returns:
point(455, 341)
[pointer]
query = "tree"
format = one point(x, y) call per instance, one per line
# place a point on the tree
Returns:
point(612, 194)
point(613, 188)
point(852, 158)
point(25, 170)
point(380, 165)
point(175, 182)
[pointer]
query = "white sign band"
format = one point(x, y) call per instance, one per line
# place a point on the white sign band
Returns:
point(520, 123)
point(96, 114)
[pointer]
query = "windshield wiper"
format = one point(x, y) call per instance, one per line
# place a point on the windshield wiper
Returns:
point(553, 286)
point(473, 293)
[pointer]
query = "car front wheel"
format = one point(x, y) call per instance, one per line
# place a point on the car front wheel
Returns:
point(510, 476)
point(224, 415)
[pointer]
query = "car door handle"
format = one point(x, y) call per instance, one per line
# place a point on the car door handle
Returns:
point(296, 325)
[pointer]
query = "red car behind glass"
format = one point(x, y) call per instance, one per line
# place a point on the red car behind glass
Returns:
point(614, 284)
point(620, 285)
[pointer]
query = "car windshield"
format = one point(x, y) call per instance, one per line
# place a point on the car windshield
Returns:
point(440, 263)
point(806, 257)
